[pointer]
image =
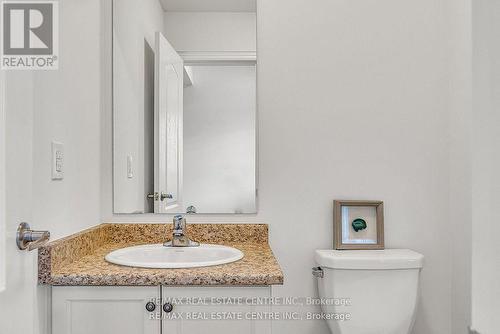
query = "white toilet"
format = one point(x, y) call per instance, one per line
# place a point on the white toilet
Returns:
point(380, 288)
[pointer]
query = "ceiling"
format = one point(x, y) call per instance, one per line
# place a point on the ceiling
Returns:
point(208, 5)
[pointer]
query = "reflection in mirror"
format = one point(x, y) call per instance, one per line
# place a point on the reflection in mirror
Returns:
point(184, 106)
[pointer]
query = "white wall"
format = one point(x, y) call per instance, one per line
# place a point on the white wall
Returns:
point(460, 71)
point(135, 24)
point(3, 164)
point(353, 102)
point(211, 31)
point(42, 106)
point(66, 108)
point(373, 127)
point(219, 139)
point(485, 131)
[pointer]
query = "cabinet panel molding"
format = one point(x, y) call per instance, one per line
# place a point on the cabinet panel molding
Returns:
point(224, 311)
point(104, 310)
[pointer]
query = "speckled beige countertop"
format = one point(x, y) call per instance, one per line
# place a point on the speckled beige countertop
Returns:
point(79, 259)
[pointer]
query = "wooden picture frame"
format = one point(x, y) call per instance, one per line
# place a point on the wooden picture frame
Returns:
point(370, 223)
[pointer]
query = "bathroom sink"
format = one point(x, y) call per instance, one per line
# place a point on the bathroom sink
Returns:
point(159, 256)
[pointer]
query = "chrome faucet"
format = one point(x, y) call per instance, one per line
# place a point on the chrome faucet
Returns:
point(179, 237)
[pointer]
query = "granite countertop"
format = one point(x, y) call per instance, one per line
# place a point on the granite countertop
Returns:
point(79, 258)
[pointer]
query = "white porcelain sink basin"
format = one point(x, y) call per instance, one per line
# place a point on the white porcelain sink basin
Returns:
point(159, 256)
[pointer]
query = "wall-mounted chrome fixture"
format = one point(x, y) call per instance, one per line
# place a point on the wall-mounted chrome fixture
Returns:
point(191, 210)
point(26, 238)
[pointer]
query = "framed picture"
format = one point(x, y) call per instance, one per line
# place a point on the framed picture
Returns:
point(358, 224)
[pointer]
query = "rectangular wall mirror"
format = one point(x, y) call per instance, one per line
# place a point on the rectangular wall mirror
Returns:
point(184, 106)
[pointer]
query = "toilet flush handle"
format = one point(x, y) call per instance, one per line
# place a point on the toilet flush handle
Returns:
point(317, 272)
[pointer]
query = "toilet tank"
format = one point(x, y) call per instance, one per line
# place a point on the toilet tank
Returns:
point(375, 290)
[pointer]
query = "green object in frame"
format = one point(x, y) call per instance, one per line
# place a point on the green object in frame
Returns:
point(359, 224)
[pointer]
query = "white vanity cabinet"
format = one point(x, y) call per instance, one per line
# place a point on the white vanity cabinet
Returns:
point(122, 309)
point(103, 310)
point(224, 310)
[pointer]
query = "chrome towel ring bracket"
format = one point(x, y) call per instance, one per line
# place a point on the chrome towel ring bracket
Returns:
point(26, 238)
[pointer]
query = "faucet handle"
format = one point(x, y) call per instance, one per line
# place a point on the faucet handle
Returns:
point(177, 219)
point(179, 238)
point(179, 224)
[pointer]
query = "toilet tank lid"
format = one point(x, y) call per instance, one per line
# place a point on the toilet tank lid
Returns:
point(369, 259)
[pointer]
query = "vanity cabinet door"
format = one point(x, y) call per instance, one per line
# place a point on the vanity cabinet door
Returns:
point(104, 310)
point(219, 313)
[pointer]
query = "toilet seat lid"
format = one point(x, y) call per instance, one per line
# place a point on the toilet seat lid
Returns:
point(369, 259)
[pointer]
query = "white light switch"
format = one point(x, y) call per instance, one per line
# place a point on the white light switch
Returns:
point(57, 161)
point(130, 171)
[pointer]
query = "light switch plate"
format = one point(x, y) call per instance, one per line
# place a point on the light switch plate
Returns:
point(130, 171)
point(57, 161)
